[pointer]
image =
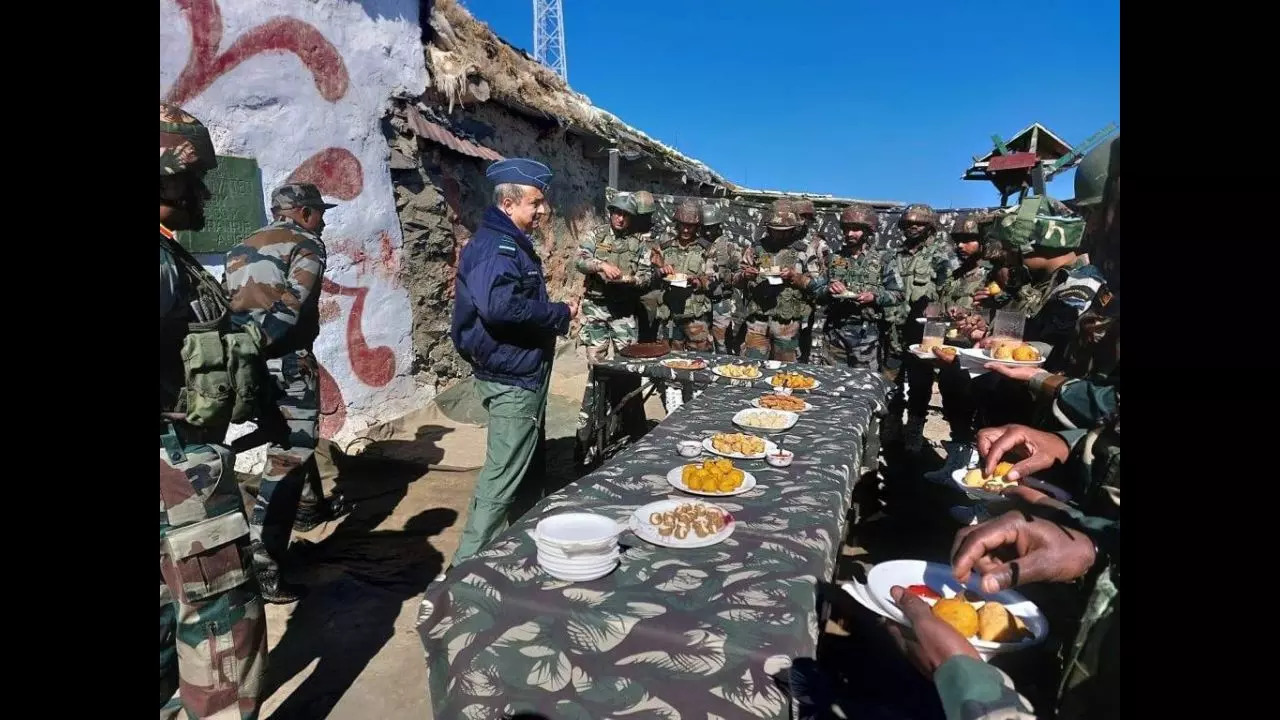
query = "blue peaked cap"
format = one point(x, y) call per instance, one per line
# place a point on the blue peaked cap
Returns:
point(520, 171)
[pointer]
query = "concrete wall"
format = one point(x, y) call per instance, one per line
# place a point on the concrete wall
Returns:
point(302, 86)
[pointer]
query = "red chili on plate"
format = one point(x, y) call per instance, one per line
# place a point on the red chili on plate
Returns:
point(924, 591)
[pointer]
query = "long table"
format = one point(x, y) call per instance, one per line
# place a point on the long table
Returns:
point(708, 632)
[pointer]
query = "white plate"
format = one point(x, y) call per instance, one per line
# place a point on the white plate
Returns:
point(757, 376)
point(985, 354)
point(905, 573)
point(580, 576)
point(649, 533)
point(769, 446)
point(673, 477)
point(577, 533)
point(755, 402)
point(816, 384)
point(679, 280)
point(740, 419)
point(578, 567)
point(850, 295)
point(915, 350)
point(670, 361)
point(979, 492)
point(1031, 482)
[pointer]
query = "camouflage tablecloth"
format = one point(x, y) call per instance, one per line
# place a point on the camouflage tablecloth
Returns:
point(845, 382)
point(670, 634)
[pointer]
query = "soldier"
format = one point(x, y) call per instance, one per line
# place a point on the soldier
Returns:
point(924, 265)
point(213, 628)
point(957, 298)
point(725, 296)
point(781, 274)
point(274, 278)
point(811, 350)
point(686, 310)
point(651, 298)
point(860, 285)
point(505, 326)
point(615, 260)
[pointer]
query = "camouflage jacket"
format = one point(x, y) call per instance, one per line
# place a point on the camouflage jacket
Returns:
point(923, 272)
point(274, 279)
point(1066, 295)
point(629, 253)
point(781, 301)
point(961, 284)
point(727, 255)
point(867, 271)
point(1094, 350)
point(694, 260)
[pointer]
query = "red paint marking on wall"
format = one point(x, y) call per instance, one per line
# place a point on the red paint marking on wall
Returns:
point(335, 171)
point(277, 35)
point(333, 409)
point(374, 366)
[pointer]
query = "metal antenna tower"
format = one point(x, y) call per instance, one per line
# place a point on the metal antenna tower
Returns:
point(548, 36)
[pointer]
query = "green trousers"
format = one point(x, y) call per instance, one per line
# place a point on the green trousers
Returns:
point(512, 479)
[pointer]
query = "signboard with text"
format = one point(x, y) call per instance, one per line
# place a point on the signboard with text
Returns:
point(235, 210)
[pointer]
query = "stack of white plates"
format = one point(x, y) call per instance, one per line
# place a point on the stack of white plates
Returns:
point(577, 546)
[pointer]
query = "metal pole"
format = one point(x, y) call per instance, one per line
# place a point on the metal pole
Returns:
point(613, 168)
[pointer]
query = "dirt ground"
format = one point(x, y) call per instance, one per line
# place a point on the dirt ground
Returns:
point(348, 650)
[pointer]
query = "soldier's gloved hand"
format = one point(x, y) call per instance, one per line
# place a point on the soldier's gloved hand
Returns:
point(837, 287)
point(930, 641)
point(1039, 449)
point(1016, 549)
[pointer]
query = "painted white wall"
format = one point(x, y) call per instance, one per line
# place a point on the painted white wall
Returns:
point(268, 107)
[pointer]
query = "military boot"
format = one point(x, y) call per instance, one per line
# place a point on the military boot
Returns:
point(913, 434)
point(274, 588)
point(310, 515)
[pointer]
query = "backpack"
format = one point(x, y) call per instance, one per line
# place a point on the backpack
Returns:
point(1038, 222)
point(224, 369)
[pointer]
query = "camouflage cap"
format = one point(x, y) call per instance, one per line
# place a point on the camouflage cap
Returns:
point(688, 212)
point(783, 219)
point(859, 214)
point(919, 213)
point(711, 215)
point(804, 207)
point(623, 202)
point(298, 195)
point(964, 227)
point(185, 145)
point(645, 204)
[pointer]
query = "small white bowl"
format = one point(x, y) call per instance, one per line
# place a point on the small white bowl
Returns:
point(773, 364)
point(575, 534)
point(689, 448)
point(782, 458)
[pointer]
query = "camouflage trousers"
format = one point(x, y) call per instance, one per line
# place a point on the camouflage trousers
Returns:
point(688, 334)
point(724, 327)
point(770, 339)
point(291, 475)
point(855, 343)
point(606, 329)
point(647, 315)
point(812, 338)
point(213, 628)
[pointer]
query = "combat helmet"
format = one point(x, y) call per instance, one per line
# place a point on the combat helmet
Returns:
point(804, 208)
point(966, 226)
point(645, 204)
point(860, 215)
point(919, 213)
point(711, 215)
point(1091, 174)
point(185, 145)
point(623, 202)
point(783, 219)
point(688, 212)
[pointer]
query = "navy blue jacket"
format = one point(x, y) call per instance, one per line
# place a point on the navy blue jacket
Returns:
point(503, 321)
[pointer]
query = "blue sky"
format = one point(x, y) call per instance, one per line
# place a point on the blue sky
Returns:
point(873, 99)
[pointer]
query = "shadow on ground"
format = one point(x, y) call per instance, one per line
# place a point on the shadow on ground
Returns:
point(359, 579)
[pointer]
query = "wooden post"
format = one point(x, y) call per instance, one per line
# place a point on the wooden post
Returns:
point(613, 167)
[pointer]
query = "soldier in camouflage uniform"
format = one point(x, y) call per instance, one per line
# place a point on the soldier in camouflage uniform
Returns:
point(811, 338)
point(647, 314)
point(852, 327)
point(957, 297)
point(615, 260)
point(726, 297)
point(213, 628)
point(781, 274)
point(924, 264)
point(686, 311)
point(274, 277)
